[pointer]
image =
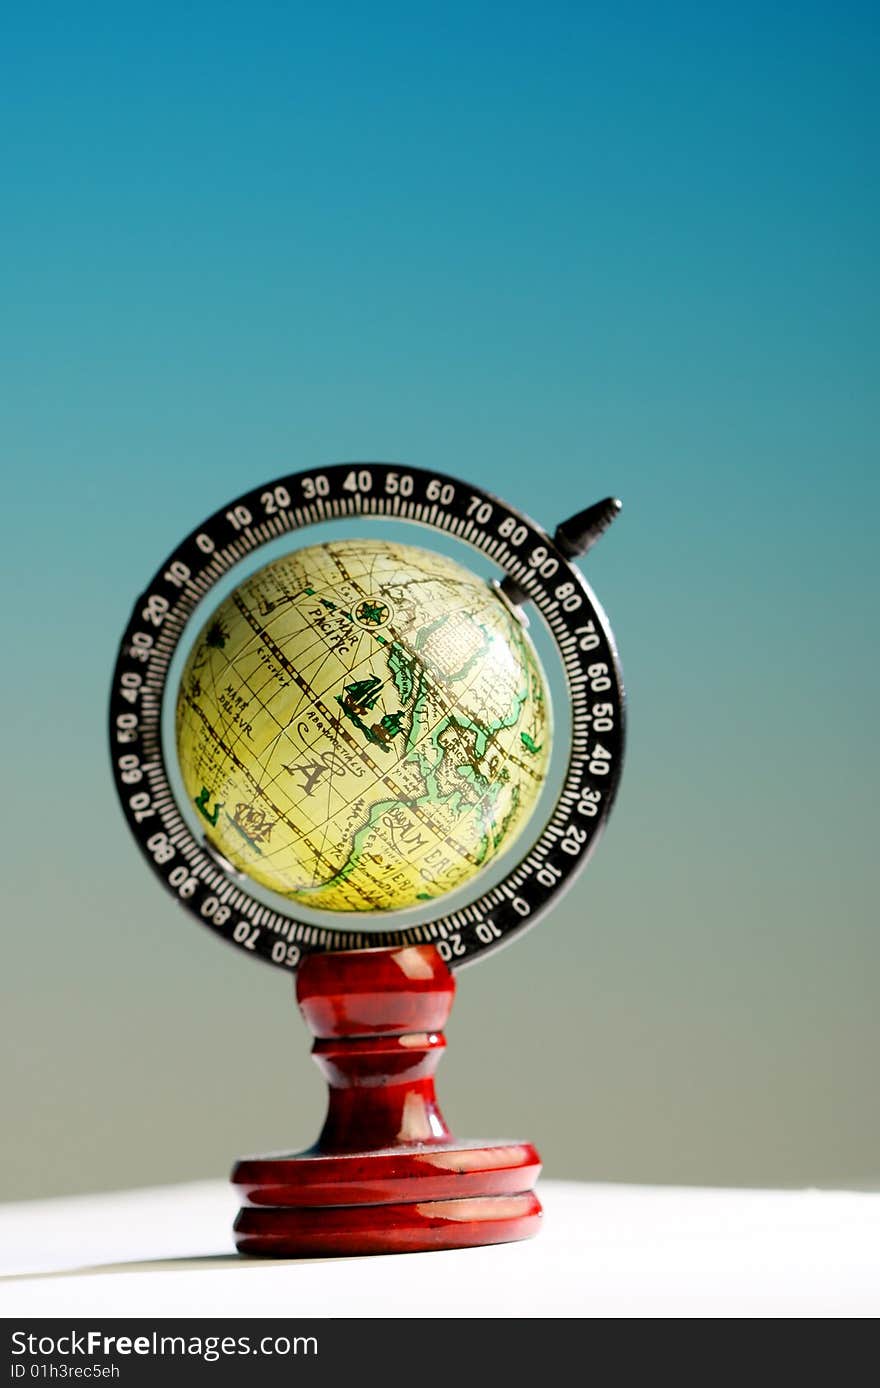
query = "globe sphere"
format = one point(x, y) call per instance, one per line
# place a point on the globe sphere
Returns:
point(362, 725)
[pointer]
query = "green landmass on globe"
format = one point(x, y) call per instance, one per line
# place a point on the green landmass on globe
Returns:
point(362, 725)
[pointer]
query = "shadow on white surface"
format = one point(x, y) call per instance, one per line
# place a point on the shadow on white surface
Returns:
point(605, 1252)
point(207, 1262)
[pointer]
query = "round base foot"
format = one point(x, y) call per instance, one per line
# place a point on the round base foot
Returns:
point(403, 1200)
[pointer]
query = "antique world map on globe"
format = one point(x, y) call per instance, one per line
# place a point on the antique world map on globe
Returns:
point(362, 725)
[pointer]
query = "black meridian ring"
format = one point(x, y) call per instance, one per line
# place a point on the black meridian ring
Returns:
point(290, 503)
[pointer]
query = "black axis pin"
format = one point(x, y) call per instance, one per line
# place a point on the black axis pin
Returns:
point(574, 538)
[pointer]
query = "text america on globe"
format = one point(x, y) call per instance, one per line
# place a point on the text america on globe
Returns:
point(362, 725)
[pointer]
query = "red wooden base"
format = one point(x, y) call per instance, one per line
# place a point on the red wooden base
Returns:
point(386, 1175)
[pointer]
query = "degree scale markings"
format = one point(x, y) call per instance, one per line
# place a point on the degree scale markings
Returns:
point(534, 565)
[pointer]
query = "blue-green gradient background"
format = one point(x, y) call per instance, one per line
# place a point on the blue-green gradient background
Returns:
point(561, 249)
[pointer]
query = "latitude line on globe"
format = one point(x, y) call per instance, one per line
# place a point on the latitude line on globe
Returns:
point(423, 752)
point(479, 805)
point(229, 751)
point(315, 696)
point(317, 702)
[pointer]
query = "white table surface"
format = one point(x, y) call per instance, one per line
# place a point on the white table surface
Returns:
point(605, 1251)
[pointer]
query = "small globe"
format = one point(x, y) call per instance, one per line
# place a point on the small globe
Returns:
point(362, 725)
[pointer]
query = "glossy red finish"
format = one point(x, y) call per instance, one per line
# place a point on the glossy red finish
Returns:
point(460, 1170)
point(373, 992)
point(385, 1175)
point(409, 1228)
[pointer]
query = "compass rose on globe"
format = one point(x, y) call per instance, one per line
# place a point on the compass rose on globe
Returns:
point(345, 780)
